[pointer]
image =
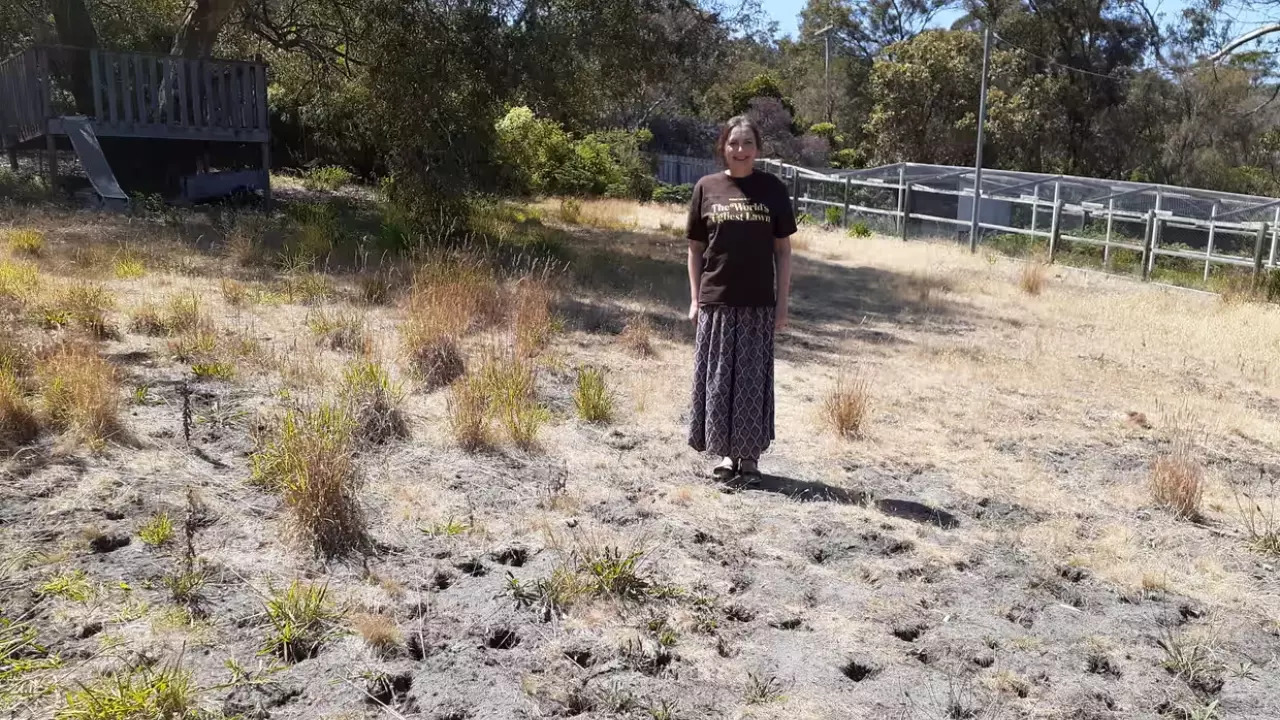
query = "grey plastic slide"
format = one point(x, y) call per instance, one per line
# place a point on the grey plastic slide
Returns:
point(85, 141)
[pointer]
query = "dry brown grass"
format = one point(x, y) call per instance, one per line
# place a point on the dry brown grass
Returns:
point(27, 241)
point(449, 298)
point(510, 383)
point(468, 409)
point(340, 330)
point(86, 305)
point(375, 401)
point(310, 460)
point(181, 313)
point(1033, 277)
point(80, 392)
point(379, 633)
point(532, 321)
point(1177, 481)
point(637, 336)
point(847, 404)
point(18, 422)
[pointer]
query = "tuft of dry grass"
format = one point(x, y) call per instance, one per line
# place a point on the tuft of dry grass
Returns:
point(26, 241)
point(510, 386)
point(235, 293)
point(375, 402)
point(449, 297)
point(88, 305)
point(340, 330)
point(1177, 481)
point(637, 336)
point(180, 313)
point(18, 422)
point(310, 460)
point(1033, 277)
point(379, 633)
point(846, 406)
point(468, 409)
point(533, 323)
point(80, 392)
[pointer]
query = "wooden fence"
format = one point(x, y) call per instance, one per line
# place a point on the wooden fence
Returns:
point(679, 170)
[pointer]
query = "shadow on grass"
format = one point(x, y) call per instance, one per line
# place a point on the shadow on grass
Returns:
point(808, 491)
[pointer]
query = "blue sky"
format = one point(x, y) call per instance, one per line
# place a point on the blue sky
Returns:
point(786, 12)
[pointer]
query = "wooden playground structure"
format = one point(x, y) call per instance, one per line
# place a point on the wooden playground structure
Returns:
point(52, 95)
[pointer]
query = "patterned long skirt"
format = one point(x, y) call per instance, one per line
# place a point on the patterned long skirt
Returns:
point(732, 413)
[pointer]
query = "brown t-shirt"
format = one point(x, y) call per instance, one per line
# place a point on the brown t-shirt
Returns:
point(738, 219)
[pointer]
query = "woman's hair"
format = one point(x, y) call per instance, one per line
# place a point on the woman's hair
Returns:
point(737, 121)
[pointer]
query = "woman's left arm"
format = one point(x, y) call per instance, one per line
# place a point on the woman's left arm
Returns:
point(782, 260)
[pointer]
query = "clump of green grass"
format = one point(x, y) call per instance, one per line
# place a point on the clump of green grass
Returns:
point(214, 371)
point(72, 586)
point(128, 266)
point(186, 582)
point(18, 280)
point(510, 384)
point(302, 618)
point(375, 402)
point(166, 691)
point(80, 393)
point(308, 288)
point(326, 177)
point(340, 330)
point(571, 211)
point(157, 530)
point(762, 688)
point(590, 571)
point(859, 229)
point(21, 654)
point(311, 461)
point(26, 242)
point(592, 397)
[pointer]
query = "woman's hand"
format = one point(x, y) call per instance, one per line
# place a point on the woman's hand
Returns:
point(780, 317)
point(693, 311)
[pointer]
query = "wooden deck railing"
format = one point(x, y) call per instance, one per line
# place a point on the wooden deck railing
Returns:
point(136, 94)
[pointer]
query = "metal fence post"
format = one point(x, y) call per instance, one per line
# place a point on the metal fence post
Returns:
point(1055, 228)
point(844, 218)
point(1257, 254)
point(1106, 244)
point(902, 197)
point(1155, 235)
point(795, 188)
point(1208, 253)
point(1275, 225)
point(904, 207)
point(1147, 235)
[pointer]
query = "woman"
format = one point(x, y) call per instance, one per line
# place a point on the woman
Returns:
point(739, 229)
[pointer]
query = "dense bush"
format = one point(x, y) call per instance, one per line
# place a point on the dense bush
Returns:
point(540, 157)
point(676, 194)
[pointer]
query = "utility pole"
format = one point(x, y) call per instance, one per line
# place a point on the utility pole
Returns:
point(825, 33)
point(982, 120)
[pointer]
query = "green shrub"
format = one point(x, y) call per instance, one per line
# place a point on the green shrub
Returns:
point(859, 229)
point(538, 156)
point(676, 194)
point(592, 397)
point(1011, 244)
point(833, 215)
point(328, 177)
point(804, 218)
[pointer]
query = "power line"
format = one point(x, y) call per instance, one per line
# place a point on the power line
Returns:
point(1055, 63)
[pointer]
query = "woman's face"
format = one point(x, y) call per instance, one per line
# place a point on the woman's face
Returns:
point(740, 150)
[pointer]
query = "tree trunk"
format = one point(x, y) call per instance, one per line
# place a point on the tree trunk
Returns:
point(201, 23)
point(77, 35)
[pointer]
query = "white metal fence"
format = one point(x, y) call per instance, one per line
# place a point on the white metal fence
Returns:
point(1147, 221)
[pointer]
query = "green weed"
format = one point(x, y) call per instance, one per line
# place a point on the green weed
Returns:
point(326, 177)
point(302, 618)
point(26, 241)
point(72, 586)
point(591, 397)
point(143, 693)
point(158, 530)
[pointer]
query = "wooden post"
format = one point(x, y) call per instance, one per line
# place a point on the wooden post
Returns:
point(1148, 234)
point(266, 169)
point(795, 190)
point(51, 146)
point(13, 158)
point(1258, 244)
point(1208, 253)
point(844, 218)
point(1055, 227)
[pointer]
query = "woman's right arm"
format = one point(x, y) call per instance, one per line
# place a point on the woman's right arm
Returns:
point(696, 231)
point(696, 250)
